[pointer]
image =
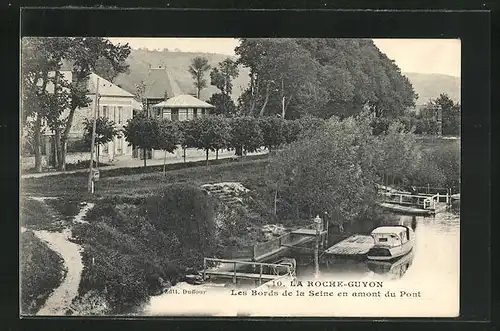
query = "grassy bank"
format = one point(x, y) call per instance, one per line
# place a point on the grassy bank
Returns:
point(133, 245)
point(138, 181)
point(41, 272)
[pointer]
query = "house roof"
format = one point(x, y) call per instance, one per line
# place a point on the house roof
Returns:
point(183, 101)
point(160, 81)
point(106, 88)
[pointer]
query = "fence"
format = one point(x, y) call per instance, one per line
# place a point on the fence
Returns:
point(259, 271)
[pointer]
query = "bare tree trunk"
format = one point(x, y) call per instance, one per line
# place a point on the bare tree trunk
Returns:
point(184, 154)
point(275, 199)
point(144, 156)
point(265, 100)
point(57, 151)
point(217, 154)
point(206, 151)
point(38, 143)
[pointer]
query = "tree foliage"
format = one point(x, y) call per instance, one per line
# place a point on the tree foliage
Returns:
point(105, 131)
point(246, 135)
point(320, 76)
point(223, 75)
point(47, 95)
point(223, 103)
point(199, 66)
point(143, 132)
point(273, 131)
point(335, 169)
point(208, 133)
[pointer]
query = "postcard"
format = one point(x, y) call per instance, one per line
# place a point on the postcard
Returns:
point(254, 177)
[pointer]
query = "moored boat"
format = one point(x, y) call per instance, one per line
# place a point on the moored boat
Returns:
point(391, 242)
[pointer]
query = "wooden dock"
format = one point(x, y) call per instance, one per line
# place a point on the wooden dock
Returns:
point(261, 272)
point(355, 245)
point(394, 207)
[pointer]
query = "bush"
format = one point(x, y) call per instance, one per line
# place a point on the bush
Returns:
point(130, 243)
point(34, 214)
point(188, 213)
point(41, 272)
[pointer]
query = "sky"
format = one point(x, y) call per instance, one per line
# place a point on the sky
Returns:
point(440, 56)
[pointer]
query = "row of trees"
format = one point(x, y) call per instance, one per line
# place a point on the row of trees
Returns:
point(49, 101)
point(243, 134)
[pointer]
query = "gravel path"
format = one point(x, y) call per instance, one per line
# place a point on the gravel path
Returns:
point(60, 300)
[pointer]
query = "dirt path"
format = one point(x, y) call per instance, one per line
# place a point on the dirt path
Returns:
point(60, 300)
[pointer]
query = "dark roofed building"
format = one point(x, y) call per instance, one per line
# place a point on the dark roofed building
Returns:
point(160, 86)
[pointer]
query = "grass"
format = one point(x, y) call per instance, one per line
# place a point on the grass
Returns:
point(41, 272)
point(129, 183)
point(35, 215)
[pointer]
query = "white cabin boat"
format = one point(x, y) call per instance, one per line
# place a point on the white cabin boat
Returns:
point(391, 242)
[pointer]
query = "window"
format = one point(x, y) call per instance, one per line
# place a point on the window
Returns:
point(195, 113)
point(120, 110)
point(175, 114)
point(114, 115)
point(382, 240)
point(183, 114)
point(104, 111)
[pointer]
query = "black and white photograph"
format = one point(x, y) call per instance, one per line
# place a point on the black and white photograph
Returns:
point(165, 176)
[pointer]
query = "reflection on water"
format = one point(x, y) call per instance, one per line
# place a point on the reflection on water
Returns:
point(435, 253)
point(432, 266)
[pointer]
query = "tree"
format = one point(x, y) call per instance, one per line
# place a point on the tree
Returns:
point(324, 77)
point(43, 62)
point(246, 135)
point(209, 133)
point(332, 171)
point(223, 75)
point(450, 111)
point(105, 131)
point(273, 131)
point(44, 94)
point(199, 66)
point(170, 137)
point(223, 103)
point(105, 69)
point(143, 132)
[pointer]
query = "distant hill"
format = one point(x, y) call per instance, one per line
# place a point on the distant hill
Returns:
point(427, 86)
point(177, 64)
point(430, 86)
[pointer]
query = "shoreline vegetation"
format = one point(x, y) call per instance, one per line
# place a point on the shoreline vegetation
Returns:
point(150, 229)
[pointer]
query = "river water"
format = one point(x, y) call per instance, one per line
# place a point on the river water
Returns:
point(428, 276)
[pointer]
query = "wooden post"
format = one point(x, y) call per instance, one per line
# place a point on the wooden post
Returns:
point(204, 267)
point(253, 252)
point(400, 198)
point(260, 275)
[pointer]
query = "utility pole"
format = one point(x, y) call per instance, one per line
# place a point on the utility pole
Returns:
point(91, 170)
point(282, 99)
point(317, 223)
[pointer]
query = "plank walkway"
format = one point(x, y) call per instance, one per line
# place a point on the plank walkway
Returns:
point(406, 209)
point(242, 275)
point(354, 245)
